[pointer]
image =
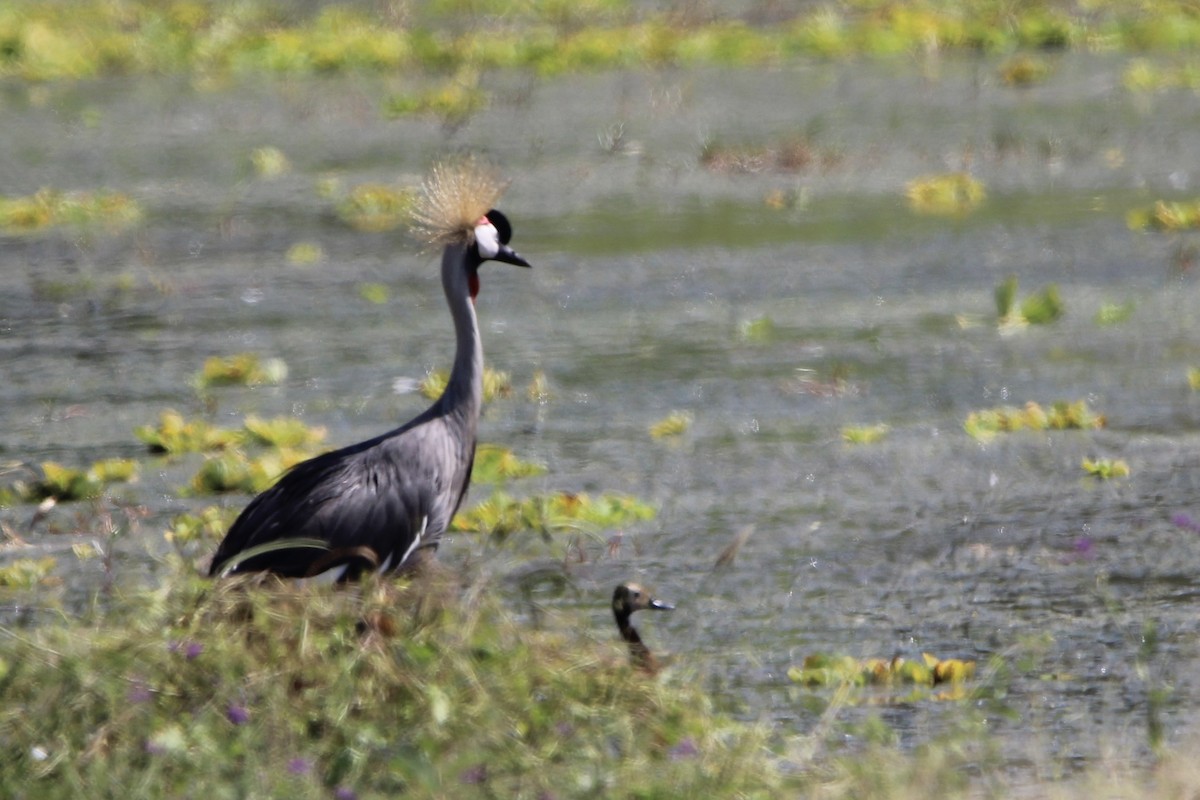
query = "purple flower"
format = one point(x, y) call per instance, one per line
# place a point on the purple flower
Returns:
point(299, 766)
point(1185, 521)
point(1085, 547)
point(189, 648)
point(154, 748)
point(685, 749)
point(236, 714)
point(344, 793)
point(475, 775)
point(139, 693)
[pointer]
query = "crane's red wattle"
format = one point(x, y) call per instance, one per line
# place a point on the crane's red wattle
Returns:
point(473, 283)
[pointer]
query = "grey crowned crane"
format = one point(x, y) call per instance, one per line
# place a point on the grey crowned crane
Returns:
point(383, 504)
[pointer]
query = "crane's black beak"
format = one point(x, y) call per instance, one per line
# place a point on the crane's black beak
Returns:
point(659, 605)
point(510, 256)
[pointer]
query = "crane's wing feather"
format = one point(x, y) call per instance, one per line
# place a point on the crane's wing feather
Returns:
point(374, 504)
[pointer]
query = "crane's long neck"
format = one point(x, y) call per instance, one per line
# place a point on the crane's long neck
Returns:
point(464, 389)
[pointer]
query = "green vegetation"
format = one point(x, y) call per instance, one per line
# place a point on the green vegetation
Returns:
point(1166, 216)
point(90, 38)
point(822, 669)
point(50, 208)
point(496, 384)
point(280, 690)
point(242, 369)
point(952, 193)
point(1037, 309)
point(1023, 70)
point(984, 425)
point(495, 464)
point(374, 208)
point(269, 162)
point(65, 484)
point(500, 514)
point(302, 254)
point(25, 573)
point(674, 424)
point(1106, 468)
point(1114, 313)
point(864, 434)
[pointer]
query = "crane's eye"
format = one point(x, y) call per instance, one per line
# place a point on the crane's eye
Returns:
point(487, 239)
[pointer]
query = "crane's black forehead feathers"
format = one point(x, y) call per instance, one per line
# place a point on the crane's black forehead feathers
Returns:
point(502, 225)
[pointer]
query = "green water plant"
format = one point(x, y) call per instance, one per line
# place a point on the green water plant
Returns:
point(269, 162)
point(1062, 415)
point(1024, 70)
point(235, 471)
point(1165, 216)
point(174, 434)
point(65, 484)
point(496, 384)
point(496, 464)
point(303, 254)
point(241, 369)
point(375, 207)
point(502, 514)
point(374, 293)
point(865, 434)
point(453, 102)
point(1114, 313)
point(676, 423)
point(1039, 308)
point(949, 193)
point(902, 679)
point(1193, 378)
point(1106, 468)
point(26, 573)
point(49, 208)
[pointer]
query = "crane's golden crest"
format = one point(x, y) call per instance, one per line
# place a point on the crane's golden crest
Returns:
point(453, 199)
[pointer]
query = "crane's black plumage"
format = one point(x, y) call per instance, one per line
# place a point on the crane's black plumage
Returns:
point(383, 503)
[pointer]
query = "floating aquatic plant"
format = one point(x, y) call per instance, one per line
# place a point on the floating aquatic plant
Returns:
point(494, 464)
point(453, 102)
point(1106, 468)
point(26, 573)
point(674, 424)
point(1165, 216)
point(757, 330)
point(50, 208)
point(502, 514)
point(985, 425)
point(825, 670)
point(205, 526)
point(234, 471)
point(1114, 313)
point(1142, 75)
point(496, 384)
point(864, 434)
point(302, 254)
point(174, 435)
point(951, 193)
point(374, 293)
point(375, 207)
point(64, 484)
point(282, 432)
point(242, 369)
point(1039, 308)
point(269, 162)
point(538, 390)
point(1193, 378)
point(1024, 70)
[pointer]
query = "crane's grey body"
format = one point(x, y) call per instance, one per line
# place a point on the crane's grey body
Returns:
point(383, 503)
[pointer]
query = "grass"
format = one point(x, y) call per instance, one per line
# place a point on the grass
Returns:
point(52, 208)
point(272, 689)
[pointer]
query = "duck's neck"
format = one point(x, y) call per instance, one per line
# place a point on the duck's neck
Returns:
point(639, 654)
point(464, 389)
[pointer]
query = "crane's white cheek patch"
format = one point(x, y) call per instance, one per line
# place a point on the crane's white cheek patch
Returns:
point(487, 240)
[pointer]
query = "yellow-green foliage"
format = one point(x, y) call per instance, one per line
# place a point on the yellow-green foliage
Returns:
point(374, 293)
point(496, 384)
point(1106, 468)
point(25, 573)
point(501, 514)
point(494, 464)
point(234, 471)
point(758, 330)
point(1039, 308)
point(282, 432)
point(1114, 313)
point(373, 207)
point(864, 434)
point(67, 483)
point(302, 254)
point(283, 690)
point(1142, 75)
point(205, 527)
point(1193, 378)
point(1165, 216)
point(824, 670)
point(984, 425)
point(269, 162)
point(674, 424)
point(175, 435)
point(951, 193)
point(1024, 70)
point(242, 369)
point(50, 208)
point(453, 101)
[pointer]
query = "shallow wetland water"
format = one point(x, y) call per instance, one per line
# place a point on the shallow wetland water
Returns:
point(662, 285)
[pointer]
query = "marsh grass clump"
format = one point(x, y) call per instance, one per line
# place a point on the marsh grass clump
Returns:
point(1166, 216)
point(674, 424)
point(823, 669)
point(495, 464)
point(1106, 468)
point(501, 514)
point(375, 207)
point(50, 208)
point(985, 425)
point(950, 193)
point(1024, 70)
point(174, 435)
point(1040, 308)
point(865, 434)
point(66, 484)
point(496, 384)
point(271, 689)
point(241, 369)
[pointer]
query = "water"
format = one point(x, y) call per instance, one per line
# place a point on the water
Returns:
point(648, 269)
